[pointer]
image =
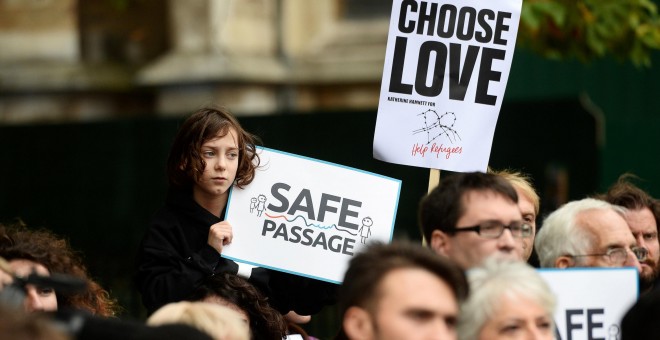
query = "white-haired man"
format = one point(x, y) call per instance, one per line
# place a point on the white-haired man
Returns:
point(588, 233)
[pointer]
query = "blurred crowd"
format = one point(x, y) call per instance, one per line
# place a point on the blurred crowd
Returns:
point(470, 279)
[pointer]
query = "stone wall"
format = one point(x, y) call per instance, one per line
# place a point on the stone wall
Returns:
point(70, 60)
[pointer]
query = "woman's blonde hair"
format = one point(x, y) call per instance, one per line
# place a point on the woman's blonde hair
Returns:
point(220, 322)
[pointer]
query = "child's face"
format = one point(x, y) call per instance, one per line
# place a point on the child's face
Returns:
point(221, 157)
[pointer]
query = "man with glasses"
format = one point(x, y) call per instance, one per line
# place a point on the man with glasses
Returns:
point(588, 233)
point(469, 217)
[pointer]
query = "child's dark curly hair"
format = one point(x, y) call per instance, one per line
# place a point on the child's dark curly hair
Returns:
point(265, 321)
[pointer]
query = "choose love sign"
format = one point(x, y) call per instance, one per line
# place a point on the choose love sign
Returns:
point(309, 217)
point(446, 68)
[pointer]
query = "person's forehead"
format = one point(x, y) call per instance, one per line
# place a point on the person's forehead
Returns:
point(24, 267)
point(607, 225)
point(484, 194)
point(525, 203)
point(641, 220)
point(228, 135)
point(414, 286)
point(482, 203)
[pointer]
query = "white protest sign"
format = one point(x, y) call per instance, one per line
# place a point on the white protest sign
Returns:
point(446, 68)
point(591, 302)
point(309, 217)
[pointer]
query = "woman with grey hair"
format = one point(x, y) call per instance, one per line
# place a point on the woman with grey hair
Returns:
point(507, 300)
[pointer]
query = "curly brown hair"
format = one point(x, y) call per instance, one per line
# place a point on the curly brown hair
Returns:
point(185, 163)
point(265, 321)
point(53, 252)
point(628, 195)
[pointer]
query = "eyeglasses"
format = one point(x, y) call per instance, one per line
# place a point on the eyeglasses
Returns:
point(495, 229)
point(619, 255)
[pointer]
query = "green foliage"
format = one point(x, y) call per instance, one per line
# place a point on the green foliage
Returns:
point(591, 29)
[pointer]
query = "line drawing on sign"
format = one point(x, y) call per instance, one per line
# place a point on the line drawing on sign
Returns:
point(304, 220)
point(441, 125)
point(307, 224)
point(365, 229)
point(261, 204)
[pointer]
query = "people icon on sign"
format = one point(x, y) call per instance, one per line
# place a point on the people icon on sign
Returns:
point(613, 332)
point(365, 229)
point(261, 204)
point(253, 204)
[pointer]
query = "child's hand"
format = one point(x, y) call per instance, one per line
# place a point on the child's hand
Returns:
point(220, 235)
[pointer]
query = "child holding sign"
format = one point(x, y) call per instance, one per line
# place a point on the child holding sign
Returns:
point(210, 154)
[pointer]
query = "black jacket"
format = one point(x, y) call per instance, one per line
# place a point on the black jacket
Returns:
point(174, 257)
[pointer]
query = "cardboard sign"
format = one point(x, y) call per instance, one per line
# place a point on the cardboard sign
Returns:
point(446, 68)
point(591, 302)
point(309, 217)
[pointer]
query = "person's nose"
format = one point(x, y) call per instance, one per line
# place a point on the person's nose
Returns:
point(220, 163)
point(32, 302)
point(506, 240)
point(640, 241)
point(632, 261)
point(536, 334)
point(439, 330)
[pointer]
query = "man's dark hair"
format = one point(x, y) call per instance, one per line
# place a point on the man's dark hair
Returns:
point(629, 196)
point(368, 268)
point(443, 206)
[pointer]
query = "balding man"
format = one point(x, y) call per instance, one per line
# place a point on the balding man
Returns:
point(588, 233)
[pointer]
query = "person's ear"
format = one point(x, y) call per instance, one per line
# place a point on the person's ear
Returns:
point(440, 242)
point(357, 324)
point(564, 262)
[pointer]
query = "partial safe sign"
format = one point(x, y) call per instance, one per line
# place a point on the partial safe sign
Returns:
point(591, 302)
point(309, 217)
